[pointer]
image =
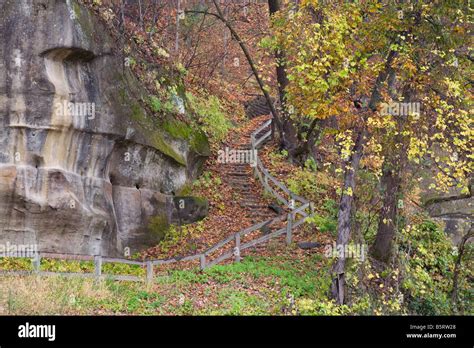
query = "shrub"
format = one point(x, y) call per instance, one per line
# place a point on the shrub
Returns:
point(427, 259)
point(210, 115)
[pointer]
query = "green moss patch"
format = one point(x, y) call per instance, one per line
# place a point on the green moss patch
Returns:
point(158, 227)
point(154, 134)
point(180, 130)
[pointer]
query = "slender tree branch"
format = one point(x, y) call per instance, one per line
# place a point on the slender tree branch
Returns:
point(246, 52)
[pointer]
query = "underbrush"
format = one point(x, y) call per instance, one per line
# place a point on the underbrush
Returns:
point(420, 282)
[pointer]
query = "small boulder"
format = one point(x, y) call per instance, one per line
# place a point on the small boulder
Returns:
point(308, 245)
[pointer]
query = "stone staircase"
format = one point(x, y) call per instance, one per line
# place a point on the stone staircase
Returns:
point(241, 178)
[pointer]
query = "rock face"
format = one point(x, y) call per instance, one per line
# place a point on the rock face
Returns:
point(83, 168)
point(456, 212)
point(454, 208)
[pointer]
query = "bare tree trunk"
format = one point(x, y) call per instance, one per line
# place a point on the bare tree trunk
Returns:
point(122, 33)
point(344, 215)
point(176, 44)
point(393, 168)
point(225, 39)
point(141, 14)
point(289, 131)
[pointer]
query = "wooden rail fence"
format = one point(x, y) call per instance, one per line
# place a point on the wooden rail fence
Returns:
point(270, 184)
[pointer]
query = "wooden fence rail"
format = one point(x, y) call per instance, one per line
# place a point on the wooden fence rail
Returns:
point(285, 196)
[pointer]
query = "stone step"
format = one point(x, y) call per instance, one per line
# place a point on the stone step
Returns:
point(261, 217)
point(244, 177)
point(242, 188)
point(246, 192)
point(237, 173)
point(234, 168)
point(239, 185)
point(253, 205)
point(251, 199)
point(257, 206)
point(261, 209)
point(241, 165)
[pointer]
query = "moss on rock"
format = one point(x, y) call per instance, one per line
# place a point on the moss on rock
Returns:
point(197, 139)
point(154, 134)
point(158, 226)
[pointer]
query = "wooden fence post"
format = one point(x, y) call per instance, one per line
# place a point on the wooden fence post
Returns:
point(255, 171)
point(292, 201)
point(203, 261)
point(36, 263)
point(265, 185)
point(149, 272)
point(98, 266)
point(289, 227)
point(237, 247)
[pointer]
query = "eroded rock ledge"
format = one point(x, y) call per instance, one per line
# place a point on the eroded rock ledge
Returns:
point(83, 168)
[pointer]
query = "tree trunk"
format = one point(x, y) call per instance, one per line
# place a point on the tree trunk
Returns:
point(345, 206)
point(220, 15)
point(289, 133)
point(391, 183)
point(344, 215)
point(176, 43)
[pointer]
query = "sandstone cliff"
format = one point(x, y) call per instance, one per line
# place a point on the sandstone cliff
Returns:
point(83, 167)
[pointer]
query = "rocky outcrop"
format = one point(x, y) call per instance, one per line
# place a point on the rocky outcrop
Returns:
point(83, 167)
point(454, 209)
point(456, 212)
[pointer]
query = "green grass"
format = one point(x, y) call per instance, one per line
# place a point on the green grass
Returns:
point(69, 266)
point(255, 286)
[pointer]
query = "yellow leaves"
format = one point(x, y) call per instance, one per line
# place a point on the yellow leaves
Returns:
point(348, 191)
point(422, 250)
point(346, 143)
point(317, 52)
point(370, 276)
point(409, 67)
point(454, 87)
point(417, 148)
